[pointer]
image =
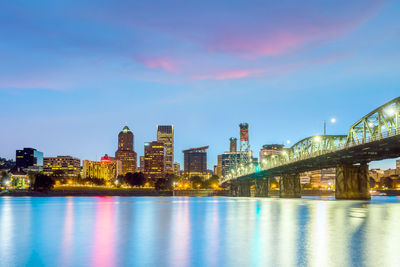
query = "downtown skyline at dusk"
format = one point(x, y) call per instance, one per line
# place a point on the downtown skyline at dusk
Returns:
point(72, 75)
point(194, 133)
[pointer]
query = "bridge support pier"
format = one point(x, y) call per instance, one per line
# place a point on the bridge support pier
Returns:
point(261, 187)
point(352, 182)
point(290, 186)
point(240, 189)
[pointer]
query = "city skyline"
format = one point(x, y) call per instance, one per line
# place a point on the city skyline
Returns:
point(71, 80)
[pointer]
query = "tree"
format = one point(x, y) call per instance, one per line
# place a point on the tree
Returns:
point(196, 181)
point(308, 186)
point(212, 182)
point(164, 183)
point(372, 182)
point(43, 182)
point(4, 178)
point(388, 182)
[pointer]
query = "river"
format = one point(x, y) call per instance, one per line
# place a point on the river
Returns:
point(198, 231)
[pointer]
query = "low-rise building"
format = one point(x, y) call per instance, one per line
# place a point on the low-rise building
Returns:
point(66, 165)
point(107, 168)
point(18, 177)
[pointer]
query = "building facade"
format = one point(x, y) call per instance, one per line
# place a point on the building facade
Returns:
point(154, 160)
point(268, 150)
point(28, 157)
point(165, 134)
point(177, 169)
point(195, 161)
point(71, 167)
point(126, 153)
point(398, 164)
point(106, 169)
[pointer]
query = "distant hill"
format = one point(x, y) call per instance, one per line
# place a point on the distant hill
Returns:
point(6, 164)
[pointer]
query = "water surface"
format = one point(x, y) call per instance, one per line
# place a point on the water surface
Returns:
point(198, 231)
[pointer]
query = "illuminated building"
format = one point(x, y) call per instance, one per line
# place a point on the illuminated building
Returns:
point(219, 166)
point(106, 168)
point(68, 165)
point(398, 164)
point(268, 150)
point(141, 163)
point(18, 177)
point(165, 134)
point(126, 153)
point(29, 157)
point(229, 161)
point(154, 160)
point(195, 161)
point(177, 169)
point(319, 177)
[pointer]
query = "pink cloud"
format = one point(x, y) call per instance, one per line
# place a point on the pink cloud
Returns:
point(162, 63)
point(227, 75)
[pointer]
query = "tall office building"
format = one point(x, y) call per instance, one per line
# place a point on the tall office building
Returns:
point(141, 164)
point(165, 134)
point(177, 169)
point(126, 153)
point(154, 160)
point(29, 157)
point(70, 166)
point(195, 161)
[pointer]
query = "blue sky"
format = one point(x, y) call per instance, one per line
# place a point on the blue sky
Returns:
point(72, 73)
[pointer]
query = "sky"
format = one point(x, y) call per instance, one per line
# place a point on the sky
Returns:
point(73, 73)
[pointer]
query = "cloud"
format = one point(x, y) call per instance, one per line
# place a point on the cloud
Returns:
point(162, 63)
point(230, 74)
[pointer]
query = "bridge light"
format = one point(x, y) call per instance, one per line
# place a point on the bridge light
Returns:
point(333, 120)
point(390, 111)
point(370, 124)
point(288, 142)
point(317, 139)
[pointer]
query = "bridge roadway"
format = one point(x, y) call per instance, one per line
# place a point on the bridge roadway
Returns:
point(364, 143)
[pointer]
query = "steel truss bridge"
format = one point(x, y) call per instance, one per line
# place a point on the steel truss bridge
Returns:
point(376, 136)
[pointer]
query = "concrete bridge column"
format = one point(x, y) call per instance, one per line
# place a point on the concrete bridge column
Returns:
point(352, 182)
point(244, 189)
point(261, 187)
point(290, 186)
point(234, 189)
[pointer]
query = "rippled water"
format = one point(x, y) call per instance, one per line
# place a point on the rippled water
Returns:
point(190, 231)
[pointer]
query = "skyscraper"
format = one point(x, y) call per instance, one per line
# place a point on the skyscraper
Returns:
point(126, 153)
point(195, 161)
point(29, 157)
point(165, 134)
point(154, 160)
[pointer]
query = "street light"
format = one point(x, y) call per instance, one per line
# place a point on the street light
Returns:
point(332, 120)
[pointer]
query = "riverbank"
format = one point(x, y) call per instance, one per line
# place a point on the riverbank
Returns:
point(62, 191)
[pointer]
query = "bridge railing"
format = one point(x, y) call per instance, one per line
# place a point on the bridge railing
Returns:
point(281, 160)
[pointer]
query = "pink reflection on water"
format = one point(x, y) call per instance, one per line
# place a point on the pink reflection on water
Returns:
point(103, 253)
point(68, 232)
point(181, 235)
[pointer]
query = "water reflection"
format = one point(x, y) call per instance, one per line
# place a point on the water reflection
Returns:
point(198, 232)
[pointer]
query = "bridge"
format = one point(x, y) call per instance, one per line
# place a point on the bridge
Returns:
point(374, 137)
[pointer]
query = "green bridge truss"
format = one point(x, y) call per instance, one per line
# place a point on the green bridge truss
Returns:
point(381, 123)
